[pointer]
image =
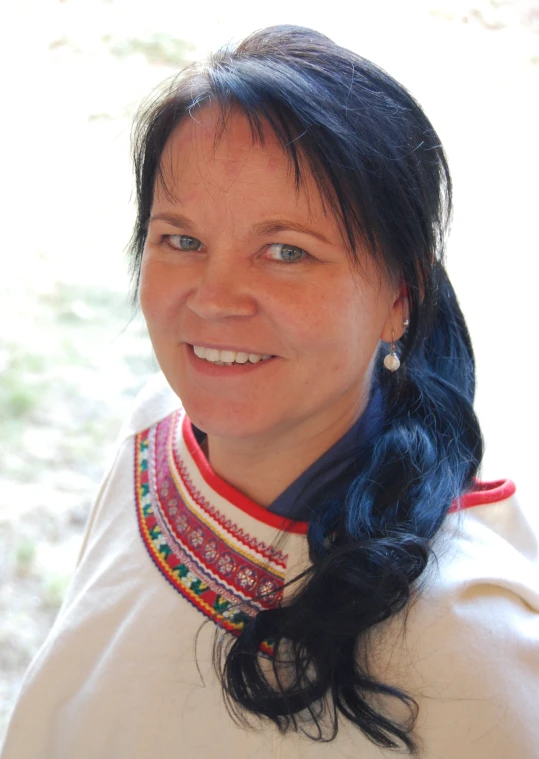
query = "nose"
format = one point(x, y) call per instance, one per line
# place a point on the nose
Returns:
point(223, 289)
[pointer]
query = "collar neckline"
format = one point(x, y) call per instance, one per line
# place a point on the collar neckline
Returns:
point(229, 492)
point(293, 504)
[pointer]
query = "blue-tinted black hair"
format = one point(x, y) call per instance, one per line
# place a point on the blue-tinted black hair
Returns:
point(382, 172)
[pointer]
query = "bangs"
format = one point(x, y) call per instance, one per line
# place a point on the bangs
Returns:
point(306, 160)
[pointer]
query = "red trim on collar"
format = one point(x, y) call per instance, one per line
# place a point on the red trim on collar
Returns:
point(230, 493)
point(484, 493)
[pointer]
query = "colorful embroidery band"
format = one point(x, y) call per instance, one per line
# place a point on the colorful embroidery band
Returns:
point(227, 575)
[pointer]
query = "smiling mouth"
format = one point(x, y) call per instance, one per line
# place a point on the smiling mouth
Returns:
point(227, 357)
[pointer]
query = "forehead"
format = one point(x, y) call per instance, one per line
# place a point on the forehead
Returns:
point(225, 156)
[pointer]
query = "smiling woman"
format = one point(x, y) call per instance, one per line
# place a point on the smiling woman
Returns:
point(260, 274)
point(303, 474)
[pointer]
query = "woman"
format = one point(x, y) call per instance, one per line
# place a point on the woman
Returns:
point(314, 497)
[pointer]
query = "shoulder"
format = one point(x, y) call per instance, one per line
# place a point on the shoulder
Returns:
point(485, 560)
point(485, 583)
point(470, 642)
point(154, 402)
point(488, 535)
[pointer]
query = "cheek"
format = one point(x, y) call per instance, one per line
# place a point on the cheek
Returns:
point(317, 328)
point(345, 331)
point(332, 317)
point(147, 300)
point(157, 295)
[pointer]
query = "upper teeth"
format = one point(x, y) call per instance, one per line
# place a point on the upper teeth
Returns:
point(228, 357)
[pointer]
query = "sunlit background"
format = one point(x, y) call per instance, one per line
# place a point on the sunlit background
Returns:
point(72, 354)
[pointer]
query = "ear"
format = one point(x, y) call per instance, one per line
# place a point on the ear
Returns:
point(399, 311)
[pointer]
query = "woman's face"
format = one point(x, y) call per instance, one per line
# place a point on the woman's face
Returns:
point(238, 260)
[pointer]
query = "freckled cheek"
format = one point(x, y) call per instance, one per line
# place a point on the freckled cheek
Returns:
point(325, 329)
point(334, 320)
point(159, 299)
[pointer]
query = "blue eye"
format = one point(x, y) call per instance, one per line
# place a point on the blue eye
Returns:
point(184, 242)
point(286, 253)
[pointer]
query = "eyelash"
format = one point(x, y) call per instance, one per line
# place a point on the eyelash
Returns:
point(188, 239)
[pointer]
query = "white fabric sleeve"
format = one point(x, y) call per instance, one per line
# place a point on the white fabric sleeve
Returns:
point(473, 641)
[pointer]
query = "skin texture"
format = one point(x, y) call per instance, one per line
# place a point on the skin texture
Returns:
point(319, 316)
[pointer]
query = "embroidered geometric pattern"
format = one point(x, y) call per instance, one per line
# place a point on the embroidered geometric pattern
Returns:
point(225, 573)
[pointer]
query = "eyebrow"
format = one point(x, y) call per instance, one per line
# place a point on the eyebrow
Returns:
point(174, 219)
point(273, 226)
point(269, 227)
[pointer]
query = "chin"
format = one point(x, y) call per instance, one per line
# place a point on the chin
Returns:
point(224, 420)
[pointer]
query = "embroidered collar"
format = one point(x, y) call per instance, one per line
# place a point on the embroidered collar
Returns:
point(225, 573)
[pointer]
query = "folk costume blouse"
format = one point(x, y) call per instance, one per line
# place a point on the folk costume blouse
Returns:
point(173, 554)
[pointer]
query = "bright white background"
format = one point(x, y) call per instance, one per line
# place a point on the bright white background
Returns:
point(66, 105)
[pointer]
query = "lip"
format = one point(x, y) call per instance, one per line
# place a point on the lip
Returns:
point(204, 368)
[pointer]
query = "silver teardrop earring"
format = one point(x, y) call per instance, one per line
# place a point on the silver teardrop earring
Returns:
point(392, 361)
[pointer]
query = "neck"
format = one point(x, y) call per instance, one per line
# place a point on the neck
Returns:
point(262, 470)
